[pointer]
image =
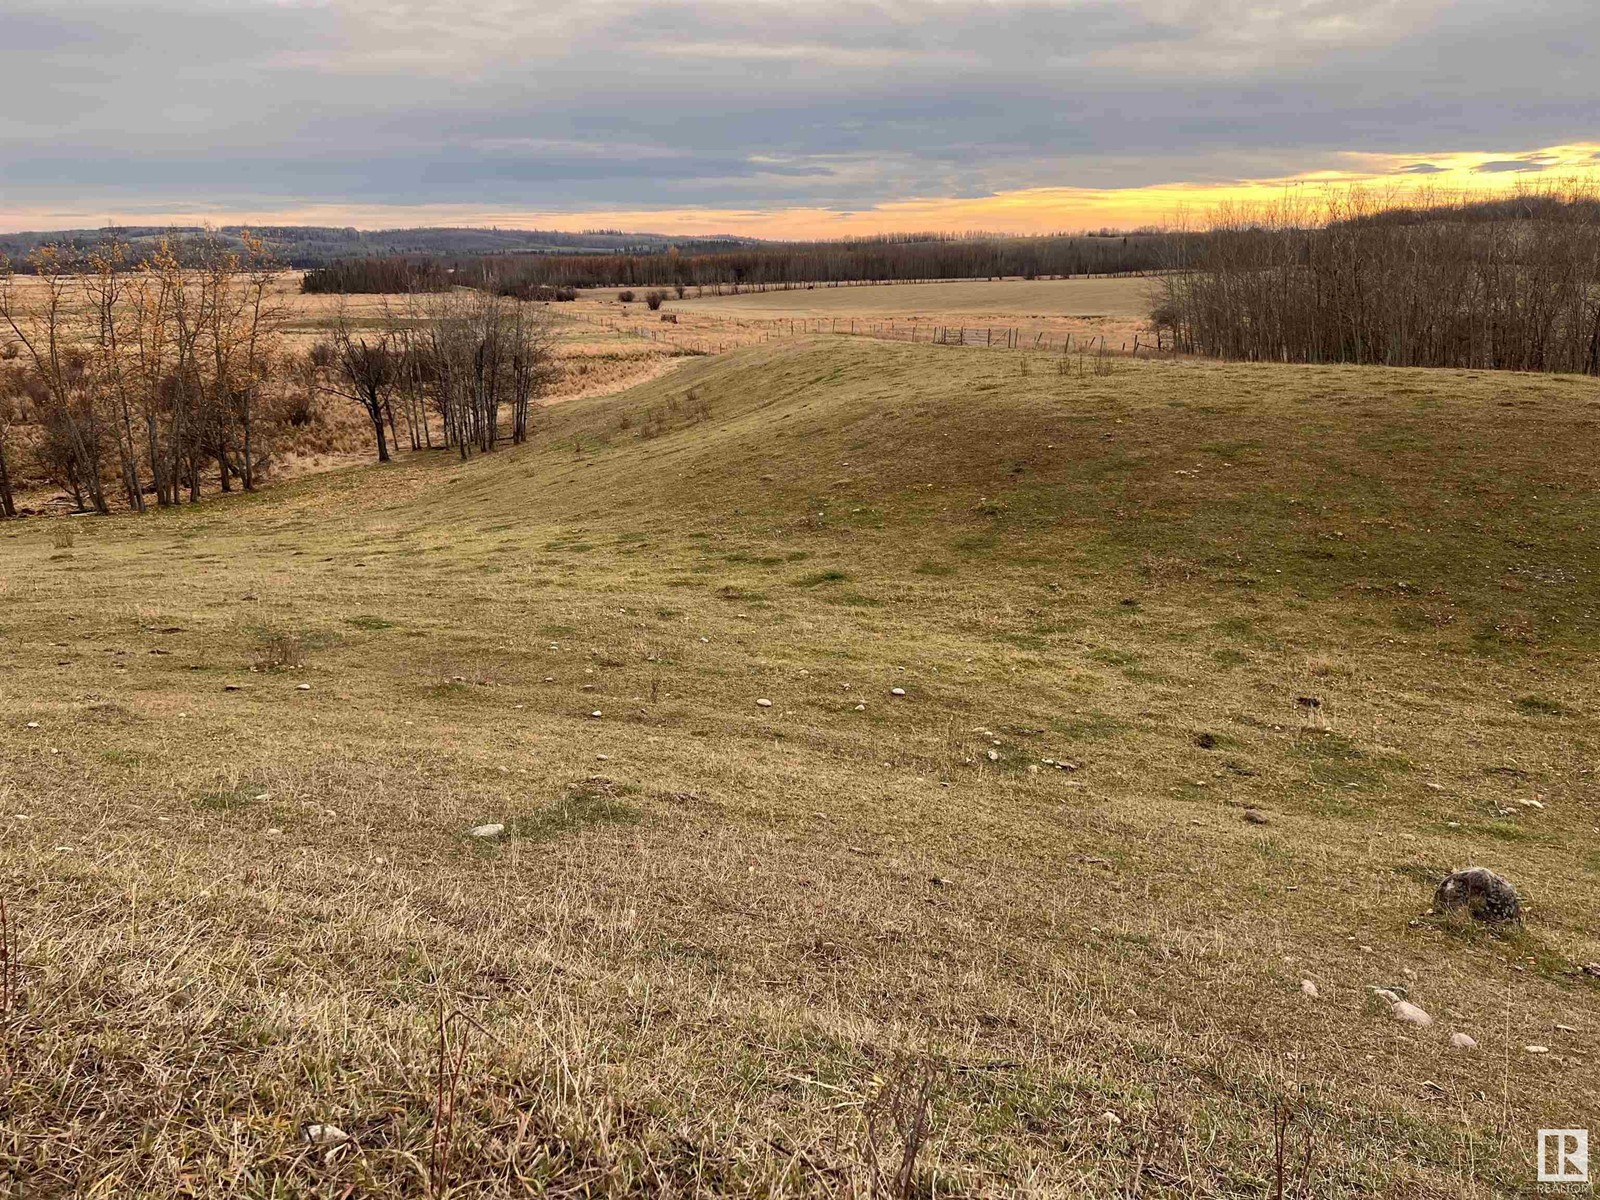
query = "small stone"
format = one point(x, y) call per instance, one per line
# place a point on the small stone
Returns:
point(302, 687)
point(488, 831)
point(595, 715)
point(325, 1135)
point(1310, 989)
point(33, 724)
point(861, 708)
point(1462, 1041)
point(994, 756)
point(897, 691)
point(1537, 1049)
point(1110, 1119)
point(763, 703)
point(1255, 816)
point(1486, 896)
point(274, 832)
point(1409, 1013)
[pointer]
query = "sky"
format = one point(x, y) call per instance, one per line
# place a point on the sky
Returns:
point(774, 118)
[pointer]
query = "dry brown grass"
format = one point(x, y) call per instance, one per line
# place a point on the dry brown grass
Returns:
point(1116, 309)
point(716, 934)
point(1126, 297)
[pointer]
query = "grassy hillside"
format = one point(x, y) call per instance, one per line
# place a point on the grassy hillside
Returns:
point(715, 935)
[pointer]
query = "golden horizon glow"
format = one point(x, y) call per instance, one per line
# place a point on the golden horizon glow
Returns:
point(1393, 177)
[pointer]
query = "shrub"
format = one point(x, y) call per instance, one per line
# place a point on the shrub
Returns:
point(625, 297)
point(654, 299)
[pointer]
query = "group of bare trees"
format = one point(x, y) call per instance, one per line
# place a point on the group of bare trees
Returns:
point(138, 379)
point(127, 383)
point(1510, 284)
point(473, 362)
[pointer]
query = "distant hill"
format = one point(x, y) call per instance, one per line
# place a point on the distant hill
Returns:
point(318, 245)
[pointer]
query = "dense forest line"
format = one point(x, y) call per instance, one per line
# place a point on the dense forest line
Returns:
point(880, 260)
point(1512, 283)
point(766, 265)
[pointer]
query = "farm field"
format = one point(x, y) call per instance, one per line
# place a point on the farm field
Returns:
point(1114, 309)
point(1126, 297)
point(1038, 815)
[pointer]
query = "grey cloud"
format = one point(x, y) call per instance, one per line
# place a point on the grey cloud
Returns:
point(715, 102)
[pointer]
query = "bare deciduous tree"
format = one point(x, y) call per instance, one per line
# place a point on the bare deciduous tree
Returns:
point(364, 369)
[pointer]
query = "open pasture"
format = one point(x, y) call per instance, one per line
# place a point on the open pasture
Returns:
point(1125, 297)
point(1116, 309)
point(1072, 879)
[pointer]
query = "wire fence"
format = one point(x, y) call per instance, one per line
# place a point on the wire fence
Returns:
point(702, 334)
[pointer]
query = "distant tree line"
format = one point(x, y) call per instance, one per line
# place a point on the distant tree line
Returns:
point(886, 259)
point(407, 276)
point(307, 246)
point(755, 265)
point(1510, 284)
point(379, 276)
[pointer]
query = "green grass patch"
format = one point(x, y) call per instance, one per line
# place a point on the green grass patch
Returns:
point(228, 801)
point(975, 543)
point(593, 802)
point(1541, 706)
